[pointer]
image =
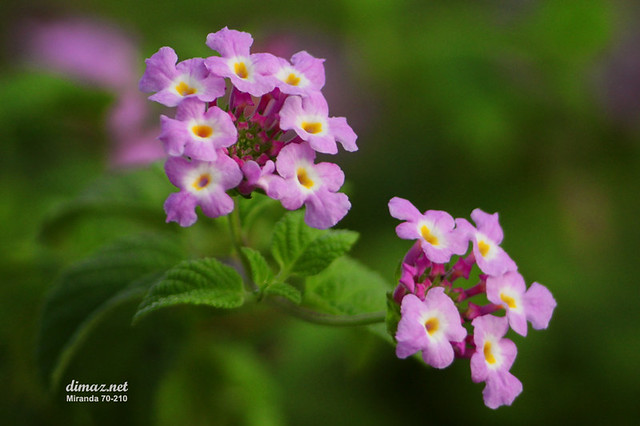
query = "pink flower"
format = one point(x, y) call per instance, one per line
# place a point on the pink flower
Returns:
point(202, 183)
point(313, 185)
point(304, 76)
point(173, 83)
point(492, 360)
point(250, 73)
point(309, 118)
point(197, 132)
point(535, 304)
point(491, 258)
point(434, 229)
point(429, 326)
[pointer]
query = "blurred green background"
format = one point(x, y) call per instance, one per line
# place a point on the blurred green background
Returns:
point(529, 108)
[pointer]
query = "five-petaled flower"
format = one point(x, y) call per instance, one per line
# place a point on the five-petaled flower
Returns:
point(174, 83)
point(491, 258)
point(197, 132)
point(535, 304)
point(492, 360)
point(429, 326)
point(434, 229)
point(202, 183)
point(314, 185)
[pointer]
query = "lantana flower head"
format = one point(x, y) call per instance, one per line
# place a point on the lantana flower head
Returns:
point(535, 304)
point(246, 121)
point(173, 83)
point(434, 229)
point(314, 185)
point(309, 118)
point(248, 72)
point(197, 132)
point(492, 360)
point(429, 326)
point(425, 273)
point(486, 238)
point(202, 183)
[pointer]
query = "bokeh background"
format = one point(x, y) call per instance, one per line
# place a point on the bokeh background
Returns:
point(526, 107)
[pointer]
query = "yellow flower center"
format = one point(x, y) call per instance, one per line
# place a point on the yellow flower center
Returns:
point(510, 301)
point(304, 178)
point(184, 89)
point(202, 182)
point(241, 70)
point(313, 128)
point(428, 236)
point(484, 248)
point(292, 80)
point(202, 130)
point(488, 355)
point(432, 325)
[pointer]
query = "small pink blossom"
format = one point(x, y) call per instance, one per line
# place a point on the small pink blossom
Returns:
point(250, 73)
point(174, 82)
point(314, 185)
point(196, 131)
point(202, 183)
point(492, 360)
point(535, 304)
point(309, 118)
point(434, 230)
point(486, 239)
point(429, 326)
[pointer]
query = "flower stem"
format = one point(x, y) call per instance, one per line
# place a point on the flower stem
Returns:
point(235, 229)
point(314, 317)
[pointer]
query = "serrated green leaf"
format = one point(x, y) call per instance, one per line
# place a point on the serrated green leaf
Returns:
point(347, 287)
point(87, 289)
point(284, 290)
point(261, 273)
point(290, 238)
point(306, 251)
point(197, 282)
point(323, 250)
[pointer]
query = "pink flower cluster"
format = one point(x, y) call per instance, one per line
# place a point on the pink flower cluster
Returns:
point(435, 316)
point(248, 121)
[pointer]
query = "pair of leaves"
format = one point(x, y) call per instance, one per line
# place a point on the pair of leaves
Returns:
point(298, 250)
point(306, 251)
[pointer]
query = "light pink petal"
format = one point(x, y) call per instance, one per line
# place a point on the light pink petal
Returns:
point(230, 43)
point(501, 389)
point(539, 305)
point(343, 133)
point(180, 207)
point(488, 224)
point(402, 209)
point(324, 209)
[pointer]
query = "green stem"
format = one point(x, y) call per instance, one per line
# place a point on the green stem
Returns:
point(235, 229)
point(314, 317)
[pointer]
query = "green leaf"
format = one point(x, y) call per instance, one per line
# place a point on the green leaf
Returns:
point(196, 282)
point(261, 273)
point(137, 195)
point(347, 287)
point(284, 290)
point(87, 290)
point(306, 251)
point(290, 237)
point(320, 252)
